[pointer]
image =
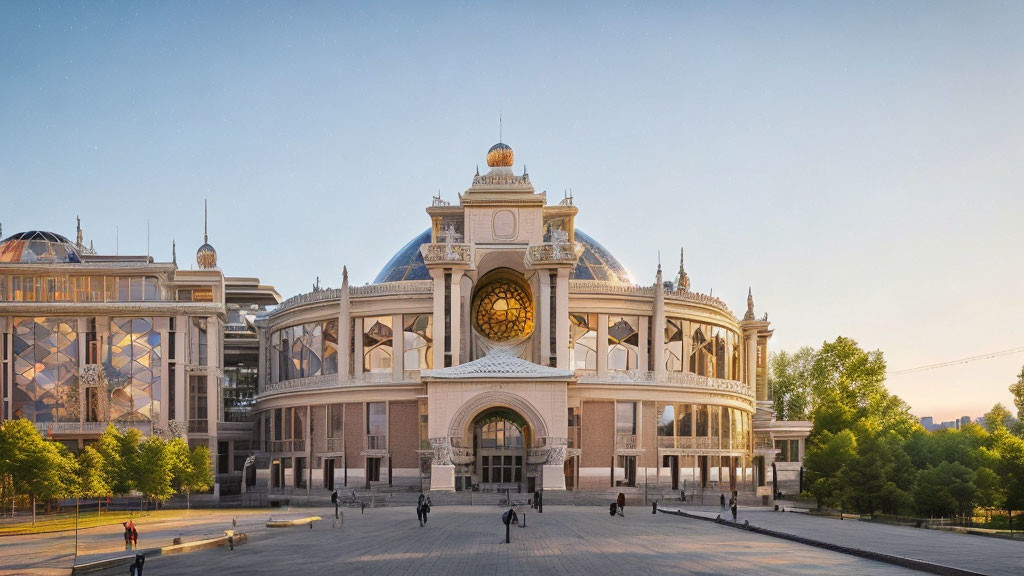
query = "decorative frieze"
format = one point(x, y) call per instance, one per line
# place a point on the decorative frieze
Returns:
point(445, 253)
point(684, 379)
point(442, 448)
point(550, 254)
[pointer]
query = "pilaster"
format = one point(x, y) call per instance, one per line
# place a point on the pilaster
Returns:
point(562, 318)
point(397, 349)
point(658, 327)
point(456, 315)
point(602, 345)
point(544, 316)
point(437, 274)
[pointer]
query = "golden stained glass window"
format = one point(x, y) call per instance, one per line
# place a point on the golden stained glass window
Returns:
point(503, 310)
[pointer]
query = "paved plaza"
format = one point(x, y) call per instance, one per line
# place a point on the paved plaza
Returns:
point(470, 540)
point(464, 540)
point(981, 554)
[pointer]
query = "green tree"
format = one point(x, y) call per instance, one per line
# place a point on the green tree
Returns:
point(114, 472)
point(42, 469)
point(827, 462)
point(945, 490)
point(153, 475)
point(1010, 468)
point(1017, 389)
point(997, 418)
point(790, 381)
point(91, 481)
point(190, 469)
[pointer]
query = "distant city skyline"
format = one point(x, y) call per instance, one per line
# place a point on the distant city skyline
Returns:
point(858, 166)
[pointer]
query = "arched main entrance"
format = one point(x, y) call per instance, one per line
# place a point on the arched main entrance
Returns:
point(500, 438)
point(491, 437)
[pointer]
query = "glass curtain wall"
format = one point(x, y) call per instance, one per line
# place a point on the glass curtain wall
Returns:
point(45, 369)
point(134, 356)
point(623, 343)
point(378, 344)
point(583, 341)
point(305, 350)
point(419, 343)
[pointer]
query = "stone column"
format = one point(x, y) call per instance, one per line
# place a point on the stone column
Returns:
point(397, 349)
point(344, 331)
point(687, 345)
point(261, 371)
point(751, 372)
point(182, 324)
point(562, 318)
point(81, 329)
point(456, 315)
point(643, 362)
point(437, 274)
point(357, 349)
point(544, 316)
point(214, 373)
point(164, 374)
point(602, 345)
point(658, 327)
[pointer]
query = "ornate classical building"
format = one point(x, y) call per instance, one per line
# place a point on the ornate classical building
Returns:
point(500, 348)
point(505, 348)
point(88, 340)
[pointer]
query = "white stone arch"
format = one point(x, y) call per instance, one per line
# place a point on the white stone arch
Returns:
point(474, 406)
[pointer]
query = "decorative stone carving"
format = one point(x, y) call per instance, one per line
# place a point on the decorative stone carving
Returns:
point(455, 253)
point(556, 451)
point(442, 451)
point(460, 421)
point(177, 428)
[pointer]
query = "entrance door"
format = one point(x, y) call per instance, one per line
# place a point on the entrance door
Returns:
point(373, 470)
point(672, 462)
point(570, 474)
point(329, 473)
point(702, 463)
point(300, 473)
point(628, 464)
point(276, 474)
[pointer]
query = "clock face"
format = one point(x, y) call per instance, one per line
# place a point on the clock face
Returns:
point(503, 309)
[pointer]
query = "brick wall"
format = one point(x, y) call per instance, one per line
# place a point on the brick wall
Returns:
point(403, 434)
point(355, 436)
point(319, 419)
point(649, 439)
point(598, 442)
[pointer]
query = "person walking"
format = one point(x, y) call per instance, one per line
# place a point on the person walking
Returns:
point(127, 535)
point(426, 509)
point(620, 502)
point(334, 500)
point(135, 537)
point(721, 501)
point(421, 504)
point(734, 504)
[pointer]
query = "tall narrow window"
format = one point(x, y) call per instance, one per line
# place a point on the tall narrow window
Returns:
point(377, 344)
point(625, 418)
point(583, 341)
point(623, 343)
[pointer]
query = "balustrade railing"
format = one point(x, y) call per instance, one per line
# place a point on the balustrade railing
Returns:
point(703, 443)
point(376, 442)
point(625, 442)
point(684, 379)
point(198, 426)
point(445, 252)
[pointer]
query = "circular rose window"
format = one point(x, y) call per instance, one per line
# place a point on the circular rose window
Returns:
point(503, 309)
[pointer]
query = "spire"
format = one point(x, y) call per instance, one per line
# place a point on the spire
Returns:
point(750, 305)
point(78, 233)
point(682, 280)
point(174, 252)
point(206, 239)
point(344, 276)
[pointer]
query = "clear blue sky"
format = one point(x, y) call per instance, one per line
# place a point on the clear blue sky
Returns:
point(859, 165)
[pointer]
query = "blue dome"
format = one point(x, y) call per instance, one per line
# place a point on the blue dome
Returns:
point(596, 263)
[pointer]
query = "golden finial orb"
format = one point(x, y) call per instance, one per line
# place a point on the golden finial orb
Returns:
point(500, 155)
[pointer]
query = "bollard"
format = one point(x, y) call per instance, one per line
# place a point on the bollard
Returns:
point(540, 502)
point(654, 507)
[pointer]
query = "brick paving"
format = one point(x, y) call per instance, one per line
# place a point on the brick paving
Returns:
point(985, 555)
point(461, 540)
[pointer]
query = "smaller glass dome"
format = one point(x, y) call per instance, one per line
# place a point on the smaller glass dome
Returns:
point(500, 155)
point(206, 257)
point(38, 247)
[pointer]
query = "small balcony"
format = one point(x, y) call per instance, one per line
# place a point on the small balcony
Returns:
point(335, 444)
point(445, 253)
point(198, 426)
point(376, 442)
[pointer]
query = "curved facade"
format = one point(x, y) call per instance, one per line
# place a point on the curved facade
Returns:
point(504, 348)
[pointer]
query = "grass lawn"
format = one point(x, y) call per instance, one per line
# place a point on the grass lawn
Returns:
point(90, 519)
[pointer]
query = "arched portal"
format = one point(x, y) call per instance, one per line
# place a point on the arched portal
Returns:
point(491, 438)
